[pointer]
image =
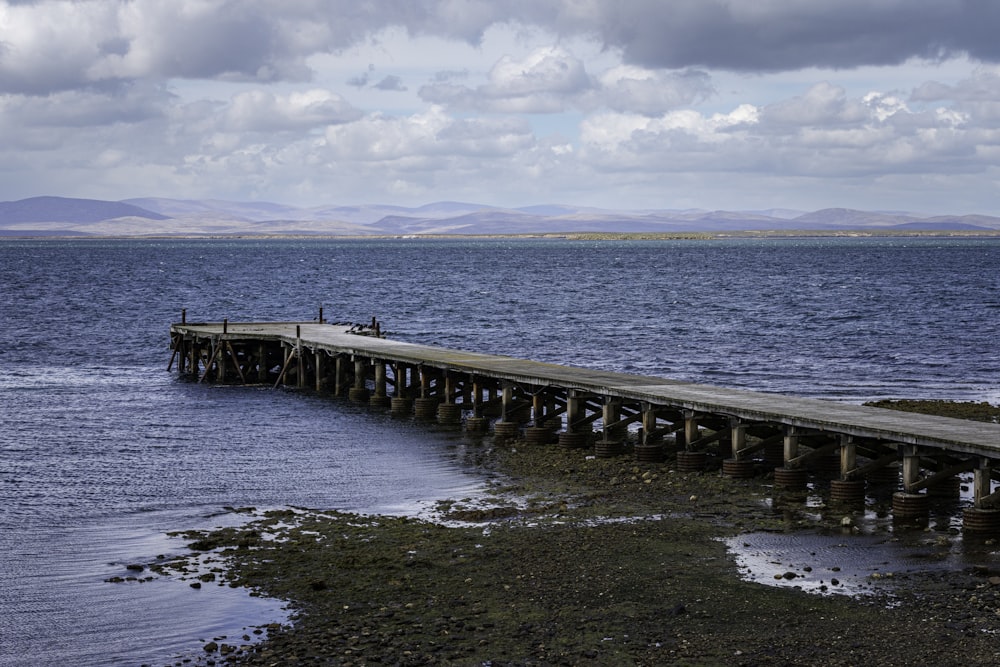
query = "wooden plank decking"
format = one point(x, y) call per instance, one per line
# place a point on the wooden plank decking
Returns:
point(952, 435)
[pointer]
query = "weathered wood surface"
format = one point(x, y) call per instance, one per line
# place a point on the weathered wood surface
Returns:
point(861, 421)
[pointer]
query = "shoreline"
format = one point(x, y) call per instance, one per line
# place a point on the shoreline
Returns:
point(553, 236)
point(576, 559)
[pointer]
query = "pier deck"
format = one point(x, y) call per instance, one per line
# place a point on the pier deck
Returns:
point(566, 402)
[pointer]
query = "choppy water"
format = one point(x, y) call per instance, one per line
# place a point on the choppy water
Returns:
point(102, 451)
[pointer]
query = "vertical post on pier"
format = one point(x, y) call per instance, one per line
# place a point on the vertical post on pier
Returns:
point(738, 436)
point(506, 401)
point(261, 363)
point(425, 382)
point(466, 391)
point(909, 505)
point(194, 351)
point(791, 443)
point(338, 375)
point(318, 363)
point(181, 350)
point(220, 359)
point(573, 409)
point(848, 455)
point(359, 391)
point(610, 414)
point(380, 381)
point(538, 409)
point(690, 427)
point(300, 367)
point(397, 380)
point(981, 482)
point(477, 397)
point(449, 387)
point(911, 467)
point(648, 424)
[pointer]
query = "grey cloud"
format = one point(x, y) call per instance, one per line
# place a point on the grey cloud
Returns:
point(778, 35)
point(57, 46)
point(983, 86)
point(390, 83)
point(650, 92)
point(445, 76)
point(359, 81)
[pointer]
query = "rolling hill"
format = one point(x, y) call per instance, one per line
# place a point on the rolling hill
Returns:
point(48, 216)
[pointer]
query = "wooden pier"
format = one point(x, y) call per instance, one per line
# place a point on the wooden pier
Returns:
point(650, 418)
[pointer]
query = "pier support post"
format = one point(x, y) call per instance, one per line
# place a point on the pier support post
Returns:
point(506, 401)
point(791, 443)
point(477, 397)
point(786, 478)
point(909, 506)
point(359, 391)
point(506, 428)
point(981, 482)
point(649, 436)
point(843, 489)
point(538, 409)
point(425, 406)
point(180, 350)
point(610, 414)
point(574, 406)
point(650, 447)
point(848, 456)
point(194, 350)
point(573, 437)
point(449, 412)
point(477, 423)
point(339, 373)
point(738, 437)
point(318, 361)
point(736, 467)
point(690, 428)
point(220, 360)
point(300, 358)
point(380, 398)
point(982, 518)
point(262, 369)
point(911, 467)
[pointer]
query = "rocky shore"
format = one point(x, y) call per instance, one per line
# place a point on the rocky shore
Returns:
point(578, 560)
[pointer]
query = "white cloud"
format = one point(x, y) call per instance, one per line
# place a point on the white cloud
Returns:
point(263, 111)
point(662, 102)
point(545, 81)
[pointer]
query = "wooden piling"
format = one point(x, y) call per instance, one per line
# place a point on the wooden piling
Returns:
point(731, 424)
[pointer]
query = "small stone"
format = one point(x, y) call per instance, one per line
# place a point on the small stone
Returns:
point(211, 647)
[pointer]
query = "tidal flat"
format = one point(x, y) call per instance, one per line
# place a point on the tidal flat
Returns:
point(574, 559)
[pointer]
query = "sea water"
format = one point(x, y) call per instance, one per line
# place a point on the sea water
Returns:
point(103, 453)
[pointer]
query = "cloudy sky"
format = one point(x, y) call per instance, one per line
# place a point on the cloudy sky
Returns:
point(717, 104)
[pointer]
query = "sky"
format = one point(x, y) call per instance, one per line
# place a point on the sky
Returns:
point(890, 105)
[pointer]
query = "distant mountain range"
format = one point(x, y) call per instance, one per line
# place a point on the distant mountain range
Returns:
point(61, 216)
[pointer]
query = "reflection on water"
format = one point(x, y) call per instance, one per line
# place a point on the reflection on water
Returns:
point(833, 548)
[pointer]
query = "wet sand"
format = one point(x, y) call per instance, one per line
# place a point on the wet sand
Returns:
point(577, 560)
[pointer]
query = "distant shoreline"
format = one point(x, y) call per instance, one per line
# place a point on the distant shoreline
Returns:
point(555, 236)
